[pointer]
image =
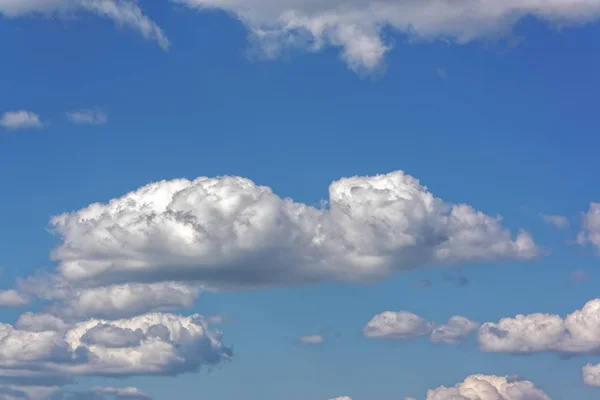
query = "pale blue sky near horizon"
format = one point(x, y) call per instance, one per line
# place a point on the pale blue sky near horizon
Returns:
point(511, 131)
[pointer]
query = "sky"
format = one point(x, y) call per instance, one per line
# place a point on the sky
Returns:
point(299, 200)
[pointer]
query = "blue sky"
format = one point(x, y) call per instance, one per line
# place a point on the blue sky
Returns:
point(510, 130)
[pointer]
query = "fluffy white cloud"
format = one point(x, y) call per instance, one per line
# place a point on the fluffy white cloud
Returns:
point(590, 232)
point(228, 232)
point(401, 325)
point(557, 220)
point(576, 334)
point(591, 375)
point(404, 325)
point(489, 387)
point(149, 344)
point(358, 26)
point(124, 13)
point(20, 119)
point(88, 117)
point(19, 392)
point(454, 331)
point(12, 298)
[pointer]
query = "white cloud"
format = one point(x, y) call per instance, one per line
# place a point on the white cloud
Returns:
point(489, 387)
point(590, 231)
point(312, 339)
point(591, 375)
point(228, 232)
point(20, 392)
point(358, 27)
point(12, 298)
point(455, 331)
point(558, 221)
point(576, 334)
point(124, 13)
point(20, 119)
point(88, 117)
point(341, 398)
point(122, 393)
point(401, 325)
point(165, 344)
point(111, 301)
point(404, 325)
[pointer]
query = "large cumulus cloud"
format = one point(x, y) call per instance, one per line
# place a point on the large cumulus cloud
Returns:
point(358, 27)
point(151, 344)
point(228, 232)
point(489, 387)
point(125, 13)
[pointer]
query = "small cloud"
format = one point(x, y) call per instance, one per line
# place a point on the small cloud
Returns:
point(312, 339)
point(88, 117)
point(20, 119)
point(579, 276)
point(558, 221)
point(442, 73)
point(424, 283)
point(459, 280)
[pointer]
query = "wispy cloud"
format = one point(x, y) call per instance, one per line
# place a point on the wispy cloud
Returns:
point(558, 221)
point(93, 116)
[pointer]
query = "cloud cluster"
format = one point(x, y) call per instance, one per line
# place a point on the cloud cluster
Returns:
point(405, 325)
point(124, 13)
point(228, 232)
point(359, 27)
point(489, 387)
point(591, 375)
point(576, 334)
point(21, 119)
point(43, 346)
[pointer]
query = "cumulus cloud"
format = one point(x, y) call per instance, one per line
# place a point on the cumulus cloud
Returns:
point(591, 375)
point(124, 13)
point(150, 344)
point(111, 301)
point(88, 117)
point(20, 119)
point(489, 387)
point(405, 325)
point(12, 298)
point(341, 398)
point(455, 331)
point(558, 221)
point(228, 233)
point(20, 392)
point(576, 334)
point(359, 27)
point(590, 231)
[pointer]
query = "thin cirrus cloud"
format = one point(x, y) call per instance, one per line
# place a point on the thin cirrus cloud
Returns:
point(124, 13)
point(230, 233)
point(359, 27)
point(93, 116)
point(20, 119)
point(404, 325)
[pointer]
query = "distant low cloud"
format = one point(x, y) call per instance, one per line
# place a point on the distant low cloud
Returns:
point(404, 325)
point(579, 276)
point(20, 119)
point(489, 387)
point(577, 333)
point(558, 221)
point(312, 339)
point(88, 117)
point(124, 13)
point(591, 375)
point(590, 230)
point(121, 393)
